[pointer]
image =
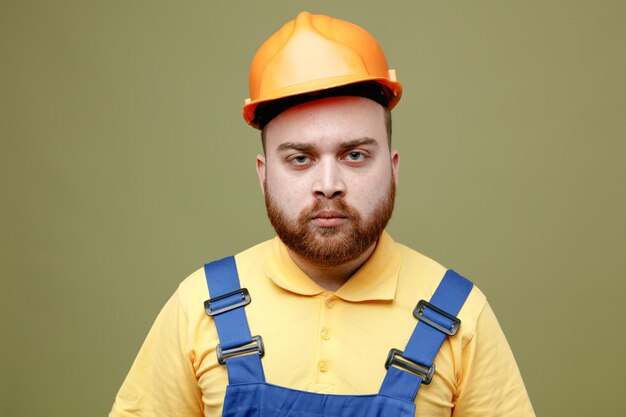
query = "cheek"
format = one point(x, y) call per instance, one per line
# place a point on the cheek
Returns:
point(288, 193)
point(367, 191)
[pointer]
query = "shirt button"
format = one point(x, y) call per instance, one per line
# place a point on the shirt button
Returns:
point(325, 334)
point(330, 303)
point(322, 366)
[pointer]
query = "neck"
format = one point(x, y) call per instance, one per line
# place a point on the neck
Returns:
point(331, 278)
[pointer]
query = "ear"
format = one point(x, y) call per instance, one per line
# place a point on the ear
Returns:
point(395, 165)
point(260, 171)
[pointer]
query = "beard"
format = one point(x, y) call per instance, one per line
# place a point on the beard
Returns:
point(331, 246)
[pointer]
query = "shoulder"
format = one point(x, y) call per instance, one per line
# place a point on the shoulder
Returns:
point(421, 275)
point(193, 289)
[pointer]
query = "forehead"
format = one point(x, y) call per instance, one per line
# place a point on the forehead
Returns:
point(327, 122)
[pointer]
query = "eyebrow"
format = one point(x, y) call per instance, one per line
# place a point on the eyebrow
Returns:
point(297, 146)
point(306, 147)
point(358, 142)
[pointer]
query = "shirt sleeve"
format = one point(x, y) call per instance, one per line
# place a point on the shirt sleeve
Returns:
point(491, 384)
point(162, 380)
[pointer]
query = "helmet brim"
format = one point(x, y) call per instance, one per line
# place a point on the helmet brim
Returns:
point(250, 106)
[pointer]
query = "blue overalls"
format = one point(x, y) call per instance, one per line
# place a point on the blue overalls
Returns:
point(248, 395)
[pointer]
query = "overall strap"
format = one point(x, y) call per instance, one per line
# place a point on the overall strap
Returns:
point(436, 321)
point(238, 350)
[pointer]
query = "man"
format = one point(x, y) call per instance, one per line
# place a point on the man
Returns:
point(334, 297)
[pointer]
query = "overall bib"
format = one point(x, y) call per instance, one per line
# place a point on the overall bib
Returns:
point(248, 395)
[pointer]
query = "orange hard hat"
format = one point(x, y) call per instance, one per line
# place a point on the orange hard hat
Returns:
point(314, 53)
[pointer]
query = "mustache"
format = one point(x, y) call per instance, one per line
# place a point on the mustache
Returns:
point(320, 205)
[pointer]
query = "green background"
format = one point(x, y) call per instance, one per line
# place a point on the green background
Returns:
point(125, 165)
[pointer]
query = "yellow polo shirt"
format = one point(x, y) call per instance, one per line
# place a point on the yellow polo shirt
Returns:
point(324, 341)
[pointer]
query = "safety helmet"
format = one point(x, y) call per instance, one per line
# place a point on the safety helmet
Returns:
point(314, 53)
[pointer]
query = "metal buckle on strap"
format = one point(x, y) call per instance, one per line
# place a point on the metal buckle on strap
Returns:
point(419, 314)
point(256, 345)
point(395, 358)
point(245, 300)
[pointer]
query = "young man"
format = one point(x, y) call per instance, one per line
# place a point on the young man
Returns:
point(333, 309)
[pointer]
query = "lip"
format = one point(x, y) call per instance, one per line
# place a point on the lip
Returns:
point(328, 218)
point(328, 214)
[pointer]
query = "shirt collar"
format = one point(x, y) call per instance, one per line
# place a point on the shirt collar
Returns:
point(375, 280)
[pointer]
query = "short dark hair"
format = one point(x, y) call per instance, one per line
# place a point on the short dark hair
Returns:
point(387, 114)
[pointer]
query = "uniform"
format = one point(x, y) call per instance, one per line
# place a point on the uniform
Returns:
point(324, 342)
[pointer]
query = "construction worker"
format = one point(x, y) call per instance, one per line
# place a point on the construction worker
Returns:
point(332, 317)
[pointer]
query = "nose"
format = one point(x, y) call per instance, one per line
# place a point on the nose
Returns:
point(328, 180)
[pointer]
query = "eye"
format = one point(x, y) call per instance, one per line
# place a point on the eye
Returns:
point(355, 156)
point(299, 160)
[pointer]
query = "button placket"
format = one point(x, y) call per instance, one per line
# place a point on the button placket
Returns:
point(324, 359)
